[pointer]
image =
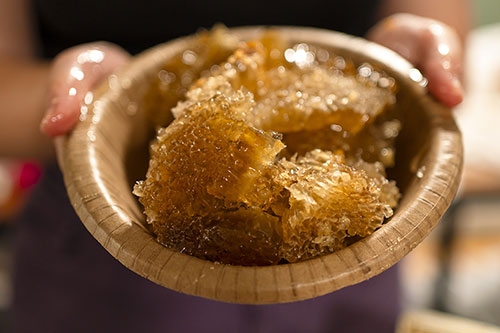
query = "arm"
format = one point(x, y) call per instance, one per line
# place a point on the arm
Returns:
point(39, 100)
point(431, 35)
point(455, 13)
point(23, 83)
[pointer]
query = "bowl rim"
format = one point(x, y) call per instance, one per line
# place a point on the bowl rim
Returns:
point(120, 233)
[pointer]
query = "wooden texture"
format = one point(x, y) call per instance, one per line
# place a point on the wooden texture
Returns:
point(107, 151)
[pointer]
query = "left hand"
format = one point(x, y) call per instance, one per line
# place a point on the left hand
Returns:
point(73, 73)
point(432, 46)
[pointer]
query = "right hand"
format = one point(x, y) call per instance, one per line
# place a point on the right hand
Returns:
point(430, 45)
point(75, 72)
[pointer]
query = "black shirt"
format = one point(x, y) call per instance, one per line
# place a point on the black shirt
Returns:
point(136, 25)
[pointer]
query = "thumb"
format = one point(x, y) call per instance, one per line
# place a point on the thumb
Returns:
point(442, 64)
point(74, 73)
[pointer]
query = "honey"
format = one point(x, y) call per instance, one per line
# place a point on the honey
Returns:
point(276, 154)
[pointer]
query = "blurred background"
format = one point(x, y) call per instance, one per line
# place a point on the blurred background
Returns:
point(457, 269)
point(487, 11)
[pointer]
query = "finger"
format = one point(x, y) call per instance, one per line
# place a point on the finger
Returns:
point(442, 64)
point(74, 73)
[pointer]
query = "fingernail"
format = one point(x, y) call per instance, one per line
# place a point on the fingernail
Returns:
point(57, 119)
point(454, 94)
point(457, 85)
point(459, 95)
point(51, 116)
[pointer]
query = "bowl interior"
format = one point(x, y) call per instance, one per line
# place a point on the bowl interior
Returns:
point(108, 152)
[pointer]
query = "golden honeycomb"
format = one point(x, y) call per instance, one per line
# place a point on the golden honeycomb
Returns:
point(277, 154)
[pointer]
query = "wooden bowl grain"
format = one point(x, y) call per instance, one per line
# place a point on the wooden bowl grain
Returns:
point(108, 150)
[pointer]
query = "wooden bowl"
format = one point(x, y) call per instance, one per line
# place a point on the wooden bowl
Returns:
point(107, 151)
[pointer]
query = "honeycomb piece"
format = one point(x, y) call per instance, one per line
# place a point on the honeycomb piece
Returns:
point(374, 143)
point(330, 202)
point(179, 73)
point(211, 178)
point(276, 154)
point(295, 92)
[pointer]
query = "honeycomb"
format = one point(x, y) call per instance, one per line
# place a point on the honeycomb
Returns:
point(276, 154)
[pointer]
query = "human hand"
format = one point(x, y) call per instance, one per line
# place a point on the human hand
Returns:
point(75, 72)
point(431, 46)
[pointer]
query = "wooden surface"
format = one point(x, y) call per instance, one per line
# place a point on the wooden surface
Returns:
point(436, 322)
point(98, 180)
